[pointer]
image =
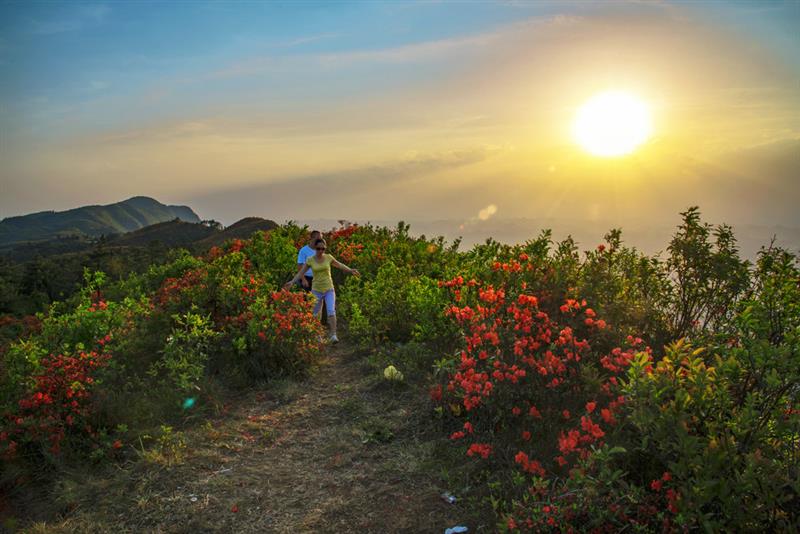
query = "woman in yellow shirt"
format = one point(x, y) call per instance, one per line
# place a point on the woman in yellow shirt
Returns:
point(322, 284)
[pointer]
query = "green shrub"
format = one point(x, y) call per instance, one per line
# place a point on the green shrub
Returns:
point(398, 307)
point(273, 255)
point(187, 350)
point(20, 363)
point(708, 276)
point(731, 452)
point(726, 420)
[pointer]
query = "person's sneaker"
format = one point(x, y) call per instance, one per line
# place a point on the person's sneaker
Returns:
point(334, 339)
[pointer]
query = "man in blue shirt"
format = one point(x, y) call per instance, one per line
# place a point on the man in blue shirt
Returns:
point(303, 255)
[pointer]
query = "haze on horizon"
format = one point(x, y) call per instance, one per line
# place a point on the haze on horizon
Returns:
point(419, 111)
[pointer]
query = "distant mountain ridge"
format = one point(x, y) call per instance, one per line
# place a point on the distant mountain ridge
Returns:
point(92, 221)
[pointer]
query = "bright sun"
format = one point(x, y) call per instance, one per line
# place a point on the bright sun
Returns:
point(612, 124)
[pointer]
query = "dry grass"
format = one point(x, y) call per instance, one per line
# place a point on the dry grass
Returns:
point(343, 451)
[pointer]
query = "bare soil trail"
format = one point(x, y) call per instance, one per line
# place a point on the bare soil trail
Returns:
point(343, 451)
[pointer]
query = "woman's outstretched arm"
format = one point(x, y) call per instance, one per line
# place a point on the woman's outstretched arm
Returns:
point(342, 266)
point(294, 280)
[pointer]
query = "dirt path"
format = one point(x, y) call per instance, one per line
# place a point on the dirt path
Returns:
point(343, 451)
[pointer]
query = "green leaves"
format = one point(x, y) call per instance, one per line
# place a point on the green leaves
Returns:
point(725, 434)
point(707, 274)
point(187, 350)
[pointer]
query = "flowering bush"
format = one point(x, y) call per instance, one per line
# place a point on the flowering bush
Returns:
point(605, 438)
point(529, 389)
point(178, 262)
point(597, 496)
point(86, 326)
point(91, 317)
point(168, 328)
point(367, 248)
point(281, 335)
point(59, 405)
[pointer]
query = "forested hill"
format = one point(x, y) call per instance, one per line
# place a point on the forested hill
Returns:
point(92, 221)
point(196, 237)
point(35, 273)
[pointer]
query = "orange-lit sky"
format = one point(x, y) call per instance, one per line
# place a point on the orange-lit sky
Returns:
point(415, 111)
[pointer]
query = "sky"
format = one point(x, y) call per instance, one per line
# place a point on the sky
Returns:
point(418, 111)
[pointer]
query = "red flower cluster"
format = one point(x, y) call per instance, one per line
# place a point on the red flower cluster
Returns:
point(214, 253)
point(528, 465)
point(341, 245)
point(480, 449)
point(99, 305)
point(670, 495)
point(250, 290)
point(519, 368)
point(292, 309)
point(343, 233)
point(59, 403)
point(512, 266)
point(347, 252)
point(172, 288)
point(236, 245)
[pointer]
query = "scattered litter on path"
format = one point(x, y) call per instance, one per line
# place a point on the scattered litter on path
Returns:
point(193, 497)
point(456, 530)
point(449, 497)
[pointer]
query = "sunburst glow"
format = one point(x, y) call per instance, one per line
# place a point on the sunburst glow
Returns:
point(612, 124)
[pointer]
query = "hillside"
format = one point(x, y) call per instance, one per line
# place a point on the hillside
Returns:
point(242, 229)
point(33, 274)
point(92, 221)
point(174, 233)
point(194, 236)
point(197, 237)
point(526, 388)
